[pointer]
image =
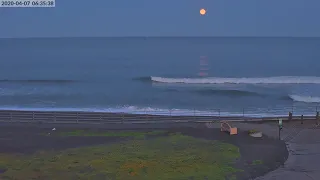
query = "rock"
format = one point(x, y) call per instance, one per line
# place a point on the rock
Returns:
point(256, 134)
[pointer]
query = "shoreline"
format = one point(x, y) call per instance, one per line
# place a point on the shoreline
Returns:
point(80, 117)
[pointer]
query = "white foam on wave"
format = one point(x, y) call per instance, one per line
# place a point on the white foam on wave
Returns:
point(221, 80)
point(306, 99)
point(165, 112)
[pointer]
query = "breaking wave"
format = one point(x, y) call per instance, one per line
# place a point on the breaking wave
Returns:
point(220, 80)
point(306, 99)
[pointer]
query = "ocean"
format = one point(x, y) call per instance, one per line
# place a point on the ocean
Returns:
point(224, 76)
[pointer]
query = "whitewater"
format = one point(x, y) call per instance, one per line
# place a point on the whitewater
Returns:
point(221, 80)
point(258, 80)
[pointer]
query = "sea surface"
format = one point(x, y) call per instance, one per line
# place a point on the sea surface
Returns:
point(177, 76)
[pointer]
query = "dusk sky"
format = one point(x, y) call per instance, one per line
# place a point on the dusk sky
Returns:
point(164, 18)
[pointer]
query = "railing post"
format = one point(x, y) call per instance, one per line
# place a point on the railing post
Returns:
point(290, 116)
point(77, 117)
point(54, 116)
point(219, 114)
point(100, 119)
point(317, 118)
point(301, 119)
point(32, 115)
point(280, 128)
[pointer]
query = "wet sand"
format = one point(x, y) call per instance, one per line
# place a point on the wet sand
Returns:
point(23, 138)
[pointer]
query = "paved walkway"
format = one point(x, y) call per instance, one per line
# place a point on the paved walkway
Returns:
point(304, 158)
point(303, 162)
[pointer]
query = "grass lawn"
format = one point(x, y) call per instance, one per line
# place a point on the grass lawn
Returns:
point(161, 158)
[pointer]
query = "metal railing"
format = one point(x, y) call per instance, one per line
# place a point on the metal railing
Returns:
point(143, 116)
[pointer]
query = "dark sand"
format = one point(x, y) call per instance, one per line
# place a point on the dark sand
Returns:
point(21, 138)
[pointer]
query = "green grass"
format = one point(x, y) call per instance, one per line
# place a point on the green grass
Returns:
point(174, 157)
point(110, 133)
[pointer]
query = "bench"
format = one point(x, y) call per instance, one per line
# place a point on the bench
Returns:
point(225, 126)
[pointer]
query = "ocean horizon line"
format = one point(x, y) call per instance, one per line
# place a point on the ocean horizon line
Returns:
point(171, 37)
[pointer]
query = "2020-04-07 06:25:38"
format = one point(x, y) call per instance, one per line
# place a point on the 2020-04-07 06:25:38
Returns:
point(27, 3)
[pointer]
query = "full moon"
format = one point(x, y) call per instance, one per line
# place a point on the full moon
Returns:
point(203, 11)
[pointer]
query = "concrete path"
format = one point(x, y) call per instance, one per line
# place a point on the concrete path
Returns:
point(303, 162)
point(304, 158)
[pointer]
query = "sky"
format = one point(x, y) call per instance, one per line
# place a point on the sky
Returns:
point(113, 18)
